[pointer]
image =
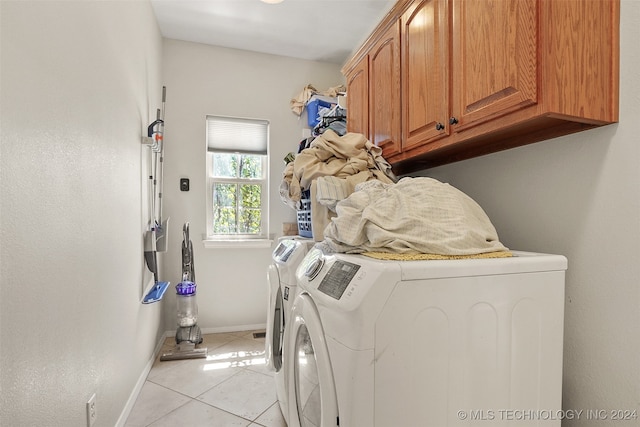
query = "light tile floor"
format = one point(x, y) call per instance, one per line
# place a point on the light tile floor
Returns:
point(231, 387)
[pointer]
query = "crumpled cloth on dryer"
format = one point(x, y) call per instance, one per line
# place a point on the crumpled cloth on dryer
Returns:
point(415, 215)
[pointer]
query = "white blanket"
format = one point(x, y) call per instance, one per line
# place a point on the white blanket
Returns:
point(415, 215)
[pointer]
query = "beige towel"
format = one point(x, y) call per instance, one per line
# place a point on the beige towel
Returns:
point(320, 215)
point(331, 189)
point(300, 101)
point(333, 155)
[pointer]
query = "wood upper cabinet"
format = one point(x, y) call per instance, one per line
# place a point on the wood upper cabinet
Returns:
point(494, 63)
point(483, 76)
point(384, 92)
point(466, 49)
point(358, 98)
point(376, 78)
point(425, 72)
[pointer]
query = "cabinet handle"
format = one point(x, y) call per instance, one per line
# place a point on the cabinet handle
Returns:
point(439, 126)
point(453, 121)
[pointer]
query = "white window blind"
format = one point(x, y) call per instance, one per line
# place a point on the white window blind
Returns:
point(237, 135)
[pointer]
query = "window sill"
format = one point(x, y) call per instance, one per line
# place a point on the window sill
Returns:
point(237, 243)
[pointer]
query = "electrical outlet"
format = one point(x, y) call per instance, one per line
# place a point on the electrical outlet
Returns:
point(92, 413)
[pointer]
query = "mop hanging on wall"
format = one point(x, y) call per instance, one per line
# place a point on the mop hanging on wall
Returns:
point(155, 237)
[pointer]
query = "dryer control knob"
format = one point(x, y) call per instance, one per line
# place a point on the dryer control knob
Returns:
point(314, 268)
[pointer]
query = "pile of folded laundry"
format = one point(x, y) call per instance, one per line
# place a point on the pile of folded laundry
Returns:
point(359, 206)
point(329, 169)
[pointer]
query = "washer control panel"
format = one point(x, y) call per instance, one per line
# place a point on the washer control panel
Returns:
point(337, 279)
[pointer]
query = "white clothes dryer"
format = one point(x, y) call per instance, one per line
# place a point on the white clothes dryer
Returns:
point(425, 343)
point(281, 278)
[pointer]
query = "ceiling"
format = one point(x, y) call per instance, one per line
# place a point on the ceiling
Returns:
point(317, 30)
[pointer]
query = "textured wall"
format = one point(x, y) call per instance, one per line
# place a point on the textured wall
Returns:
point(80, 81)
point(201, 80)
point(579, 196)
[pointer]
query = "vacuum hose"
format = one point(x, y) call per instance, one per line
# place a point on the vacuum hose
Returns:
point(188, 272)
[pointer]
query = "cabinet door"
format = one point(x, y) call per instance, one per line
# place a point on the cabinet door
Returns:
point(358, 98)
point(384, 92)
point(494, 59)
point(425, 72)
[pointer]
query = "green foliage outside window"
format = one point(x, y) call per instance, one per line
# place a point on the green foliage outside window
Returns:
point(237, 205)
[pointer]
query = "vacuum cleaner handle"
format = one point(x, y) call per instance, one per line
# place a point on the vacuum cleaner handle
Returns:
point(188, 272)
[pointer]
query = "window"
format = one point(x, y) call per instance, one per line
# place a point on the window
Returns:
point(237, 178)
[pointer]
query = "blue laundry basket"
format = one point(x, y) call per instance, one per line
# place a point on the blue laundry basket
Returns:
point(304, 215)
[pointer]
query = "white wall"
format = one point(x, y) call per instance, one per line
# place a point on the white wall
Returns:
point(579, 196)
point(80, 82)
point(201, 80)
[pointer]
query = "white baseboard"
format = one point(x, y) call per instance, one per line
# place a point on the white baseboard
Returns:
point(140, 383)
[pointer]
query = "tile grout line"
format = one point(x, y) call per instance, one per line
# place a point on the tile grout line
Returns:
point(196, 399)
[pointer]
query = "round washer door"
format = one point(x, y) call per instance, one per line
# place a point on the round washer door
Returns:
point(275, 322)
point(312, 392)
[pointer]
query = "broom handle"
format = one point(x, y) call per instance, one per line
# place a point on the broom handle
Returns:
point(161, 117)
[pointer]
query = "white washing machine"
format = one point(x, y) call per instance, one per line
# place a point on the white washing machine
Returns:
point(281, 278)
point(426, 343)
